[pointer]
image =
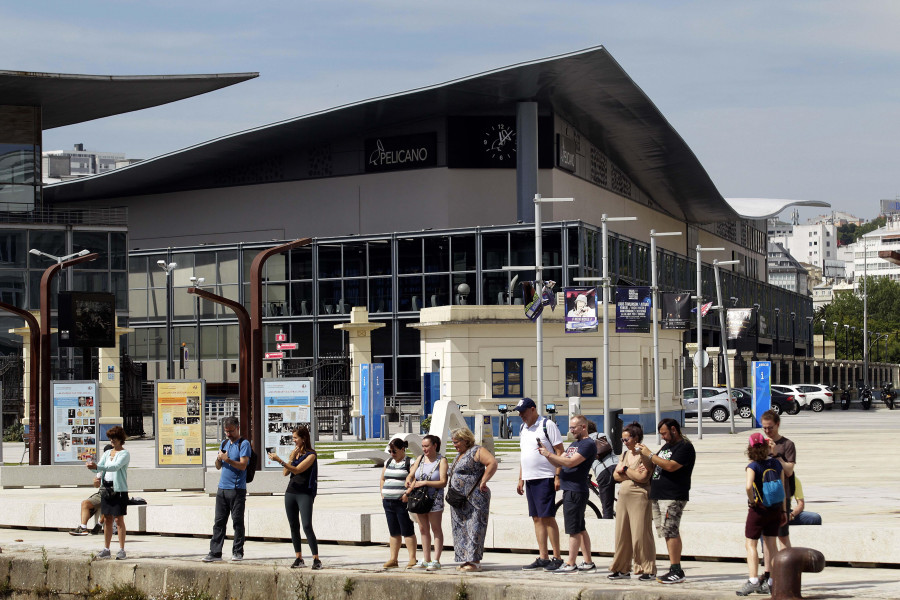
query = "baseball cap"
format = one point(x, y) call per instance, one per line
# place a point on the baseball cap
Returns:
point(757, 439)
point(524, 404)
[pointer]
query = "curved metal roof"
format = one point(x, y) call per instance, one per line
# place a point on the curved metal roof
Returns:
point(587, 88)
point(764, 208)
point(68, 99)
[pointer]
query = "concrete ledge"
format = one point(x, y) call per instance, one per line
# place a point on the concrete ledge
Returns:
point(147, 480)
point(44, 476)
point(265, 483)
point(60, 515)
point(183, 519)
point(376, 456)
point(330, 526)
point(139, 479)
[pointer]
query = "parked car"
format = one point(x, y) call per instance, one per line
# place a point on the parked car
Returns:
point(792, 390)
point(818, 397)
point(715, 403)
point(781, 403)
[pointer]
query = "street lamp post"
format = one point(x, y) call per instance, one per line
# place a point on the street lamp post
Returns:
point(853, 354)
point(777, 344)
point(723, 338)
point(823, 338)
point(197, 282)
point(793, 344)
point(810, 349)
point(539, 277)
point(698, 358)
point(654, 289)
point(834, 338)
point(846, 342)
point(604, 229)
point(168, 268)
point(45, 420)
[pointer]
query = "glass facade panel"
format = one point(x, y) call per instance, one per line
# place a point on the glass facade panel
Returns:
point(51, 242)
point(92, 241)
point(495, 286)
point(329, 261)
point(458, 296)
point(329, 296)
point(355, 294)
point(228, 267)
point(381, 295)
point(380, 257)
point(551, 248)
point(409, 293)
point(118, 250)
point(437, 290)
point(463, 252)
point(437, 254)
point(408, 380)
point(302, 335)
point(408, 338)
point(17, 198)
point(301, 264)
point(12, 287)
point(330, 339)
point(522, 244)
point(354, 260)
point(409, 255)
point(495, 251)
point(12, 248)
point(205, 267)
point(276, 268)
point(302, 298)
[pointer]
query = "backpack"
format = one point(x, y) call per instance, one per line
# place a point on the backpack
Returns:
point(254, 460)
point(772, 489)
point(603, 447)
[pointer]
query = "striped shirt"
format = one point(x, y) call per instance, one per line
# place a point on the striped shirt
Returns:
point(395, 478)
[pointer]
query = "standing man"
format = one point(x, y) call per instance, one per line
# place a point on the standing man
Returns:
point(539, 480)
point(575, 465)
point(670, 487)
point(603, 467)
point(232, 460)
point(783, 449)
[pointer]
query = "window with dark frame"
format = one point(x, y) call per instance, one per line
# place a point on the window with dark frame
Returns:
point(506, 378)
point(582, 371)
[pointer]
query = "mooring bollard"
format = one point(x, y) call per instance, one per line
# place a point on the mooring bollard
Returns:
point(788, 567)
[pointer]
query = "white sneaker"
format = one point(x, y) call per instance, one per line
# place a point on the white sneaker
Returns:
point(433, 566)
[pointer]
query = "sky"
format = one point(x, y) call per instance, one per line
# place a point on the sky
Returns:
point(777, 99)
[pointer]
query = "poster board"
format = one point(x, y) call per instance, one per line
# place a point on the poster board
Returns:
point(76, 421)
point(581, 309)
point(287, 403)
point(633, 309)
point(180, 415)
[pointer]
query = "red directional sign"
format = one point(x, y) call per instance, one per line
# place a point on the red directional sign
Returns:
point(291, 346)
point(274, 355)
point(280, 337)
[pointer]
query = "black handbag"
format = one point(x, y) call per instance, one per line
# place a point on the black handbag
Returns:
point(418, 501)
point(454, 497)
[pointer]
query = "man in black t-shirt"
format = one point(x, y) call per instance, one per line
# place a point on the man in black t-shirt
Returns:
point(575, 464)
point(670, 487)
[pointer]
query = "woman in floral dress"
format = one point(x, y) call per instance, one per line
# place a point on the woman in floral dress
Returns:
point(472, 469)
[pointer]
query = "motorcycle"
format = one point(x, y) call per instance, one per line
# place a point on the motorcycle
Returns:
point(888, 394)
point(845, 397)
point(865, 397)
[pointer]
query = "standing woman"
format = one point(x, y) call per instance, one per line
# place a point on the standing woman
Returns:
point(430, 471)
point(113, 471)
point(303, 467)
point(634, 536)
point(393, 499)
point(473, 468)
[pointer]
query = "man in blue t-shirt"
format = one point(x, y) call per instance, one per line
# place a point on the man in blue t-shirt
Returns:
point(575, 464)
point(231, 497)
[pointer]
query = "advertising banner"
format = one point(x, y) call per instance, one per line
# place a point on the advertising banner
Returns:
point(761, 388)
point(76, 421)
point(581, 309)
point(676, 310)
point(180, 423)
point(738, 322)
point(633, 309)
point(287, 403)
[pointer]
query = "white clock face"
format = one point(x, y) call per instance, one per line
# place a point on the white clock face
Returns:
point(500, 142)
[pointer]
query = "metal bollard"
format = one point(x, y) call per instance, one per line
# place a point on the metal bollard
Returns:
point(787, 568)
point(360, 429)
point(336, 433)
point(384, 427)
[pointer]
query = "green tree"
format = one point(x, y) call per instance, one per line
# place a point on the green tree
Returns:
point(883, 317)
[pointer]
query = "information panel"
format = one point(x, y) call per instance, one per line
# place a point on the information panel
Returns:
point(287, 403)
point(761, 388)
point(76, 421)
point(180, 423)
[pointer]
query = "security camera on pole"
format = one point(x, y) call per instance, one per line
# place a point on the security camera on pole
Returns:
point(168, 268)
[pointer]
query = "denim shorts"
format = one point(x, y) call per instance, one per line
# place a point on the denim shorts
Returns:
point(398, 519)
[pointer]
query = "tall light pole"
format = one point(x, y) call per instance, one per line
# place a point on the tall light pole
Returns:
point(654, 289)
point(698, 358)
point(847, 342)
point(45, 420)
point(833, 337)
point(865, 327)
point(853, 354)
point(823, 339)
point(168, 268)
point(197, 282)
point(777, 341)
point(723, 337)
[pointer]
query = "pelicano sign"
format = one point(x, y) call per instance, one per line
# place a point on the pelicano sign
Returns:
point(401, 152)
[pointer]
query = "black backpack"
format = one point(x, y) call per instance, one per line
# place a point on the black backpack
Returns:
point(254, 459)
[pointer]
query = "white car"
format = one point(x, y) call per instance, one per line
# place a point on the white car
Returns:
point(794, 391)
point(715, 403)
point(818, 397)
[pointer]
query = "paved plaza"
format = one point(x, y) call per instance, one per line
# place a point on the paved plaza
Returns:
point(844, 460)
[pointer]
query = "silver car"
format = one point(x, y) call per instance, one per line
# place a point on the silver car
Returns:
point(715, 403)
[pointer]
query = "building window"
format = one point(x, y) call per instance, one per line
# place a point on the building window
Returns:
point(581, 371)
point(506, 378)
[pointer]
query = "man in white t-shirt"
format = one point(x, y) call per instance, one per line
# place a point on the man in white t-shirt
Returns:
point(539, 481)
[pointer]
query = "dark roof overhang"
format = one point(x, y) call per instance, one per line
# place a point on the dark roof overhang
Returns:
point(68, 99)
point(587, 88)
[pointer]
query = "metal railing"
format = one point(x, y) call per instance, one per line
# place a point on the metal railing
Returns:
point(12, 212)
